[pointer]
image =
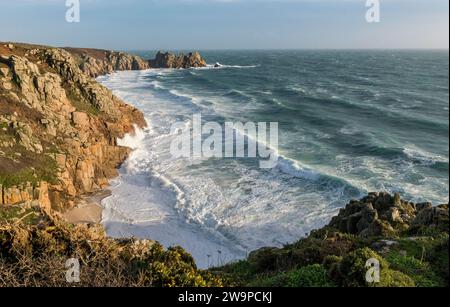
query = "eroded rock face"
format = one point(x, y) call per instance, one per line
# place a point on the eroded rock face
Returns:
point(381, 214)
point(26, 193)
point(111, 61)
point(51, 108)
point(170, 60)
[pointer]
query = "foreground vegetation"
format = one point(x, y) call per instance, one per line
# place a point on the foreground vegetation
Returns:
point(35, 246)
point(412, 251)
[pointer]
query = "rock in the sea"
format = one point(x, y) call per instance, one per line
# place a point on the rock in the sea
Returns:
point(170, 60)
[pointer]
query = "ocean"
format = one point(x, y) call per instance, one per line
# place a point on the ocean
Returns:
point(350, 122)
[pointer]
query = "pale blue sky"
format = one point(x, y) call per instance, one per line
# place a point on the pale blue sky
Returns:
point(227, 24)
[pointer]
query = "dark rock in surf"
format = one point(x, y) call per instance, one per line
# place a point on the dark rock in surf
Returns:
point(170, 60)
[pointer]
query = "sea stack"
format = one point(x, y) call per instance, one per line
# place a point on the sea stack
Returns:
point(170, 60)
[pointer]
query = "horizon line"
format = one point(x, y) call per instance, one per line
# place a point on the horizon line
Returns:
point(242, 49)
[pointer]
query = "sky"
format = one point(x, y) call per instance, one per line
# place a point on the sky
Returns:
point(228, 24)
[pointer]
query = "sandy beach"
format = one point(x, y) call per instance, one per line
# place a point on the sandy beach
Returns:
point(88, 210)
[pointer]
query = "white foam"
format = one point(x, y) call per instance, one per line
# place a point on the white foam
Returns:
point(422, 156)
point(132, 140)
point(297, 170)
point(222, 66)
point(206, 207)
point(285, 164)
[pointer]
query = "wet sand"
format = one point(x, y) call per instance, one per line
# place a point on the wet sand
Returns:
point(88, 209)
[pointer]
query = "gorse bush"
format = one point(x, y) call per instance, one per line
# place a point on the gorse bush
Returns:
point(35, 255)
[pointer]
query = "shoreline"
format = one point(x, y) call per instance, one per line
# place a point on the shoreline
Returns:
point(89, 209)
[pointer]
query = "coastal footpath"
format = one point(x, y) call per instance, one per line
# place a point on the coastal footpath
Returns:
point(58, 132)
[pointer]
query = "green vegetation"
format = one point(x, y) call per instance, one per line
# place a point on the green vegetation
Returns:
point(311, 276)
point(309, 263)
point(45, 169)
point(328, 258)
point(18, 213)
point(3, 126)
point(80, 103)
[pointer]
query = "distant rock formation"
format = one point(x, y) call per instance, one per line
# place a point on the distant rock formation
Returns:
point(96, 62)
point(170, 60)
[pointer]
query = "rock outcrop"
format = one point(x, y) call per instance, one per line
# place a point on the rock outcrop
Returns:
point(59, 125)
point(26, 194)
point(170, 60)
point(95, 62)
point(381, 214)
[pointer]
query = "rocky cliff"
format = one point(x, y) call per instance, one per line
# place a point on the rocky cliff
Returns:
point(58, 126)
point(96, 62)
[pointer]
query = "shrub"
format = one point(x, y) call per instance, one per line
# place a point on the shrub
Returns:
point(352, 271)
point(352, 268)
point(35, 255)
point(391, 278)
point(312, 276)
point(264, 260)
point(419, 271)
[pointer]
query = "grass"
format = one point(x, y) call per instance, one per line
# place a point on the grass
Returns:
point(25, 175)
point(420, 271)
point(311, 276)
point(80, 103)
point(43, 169)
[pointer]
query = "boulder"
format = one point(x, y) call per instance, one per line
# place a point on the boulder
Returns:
point(378, 228)
point(80, 119)
point(393, 215)
point(352, 223)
